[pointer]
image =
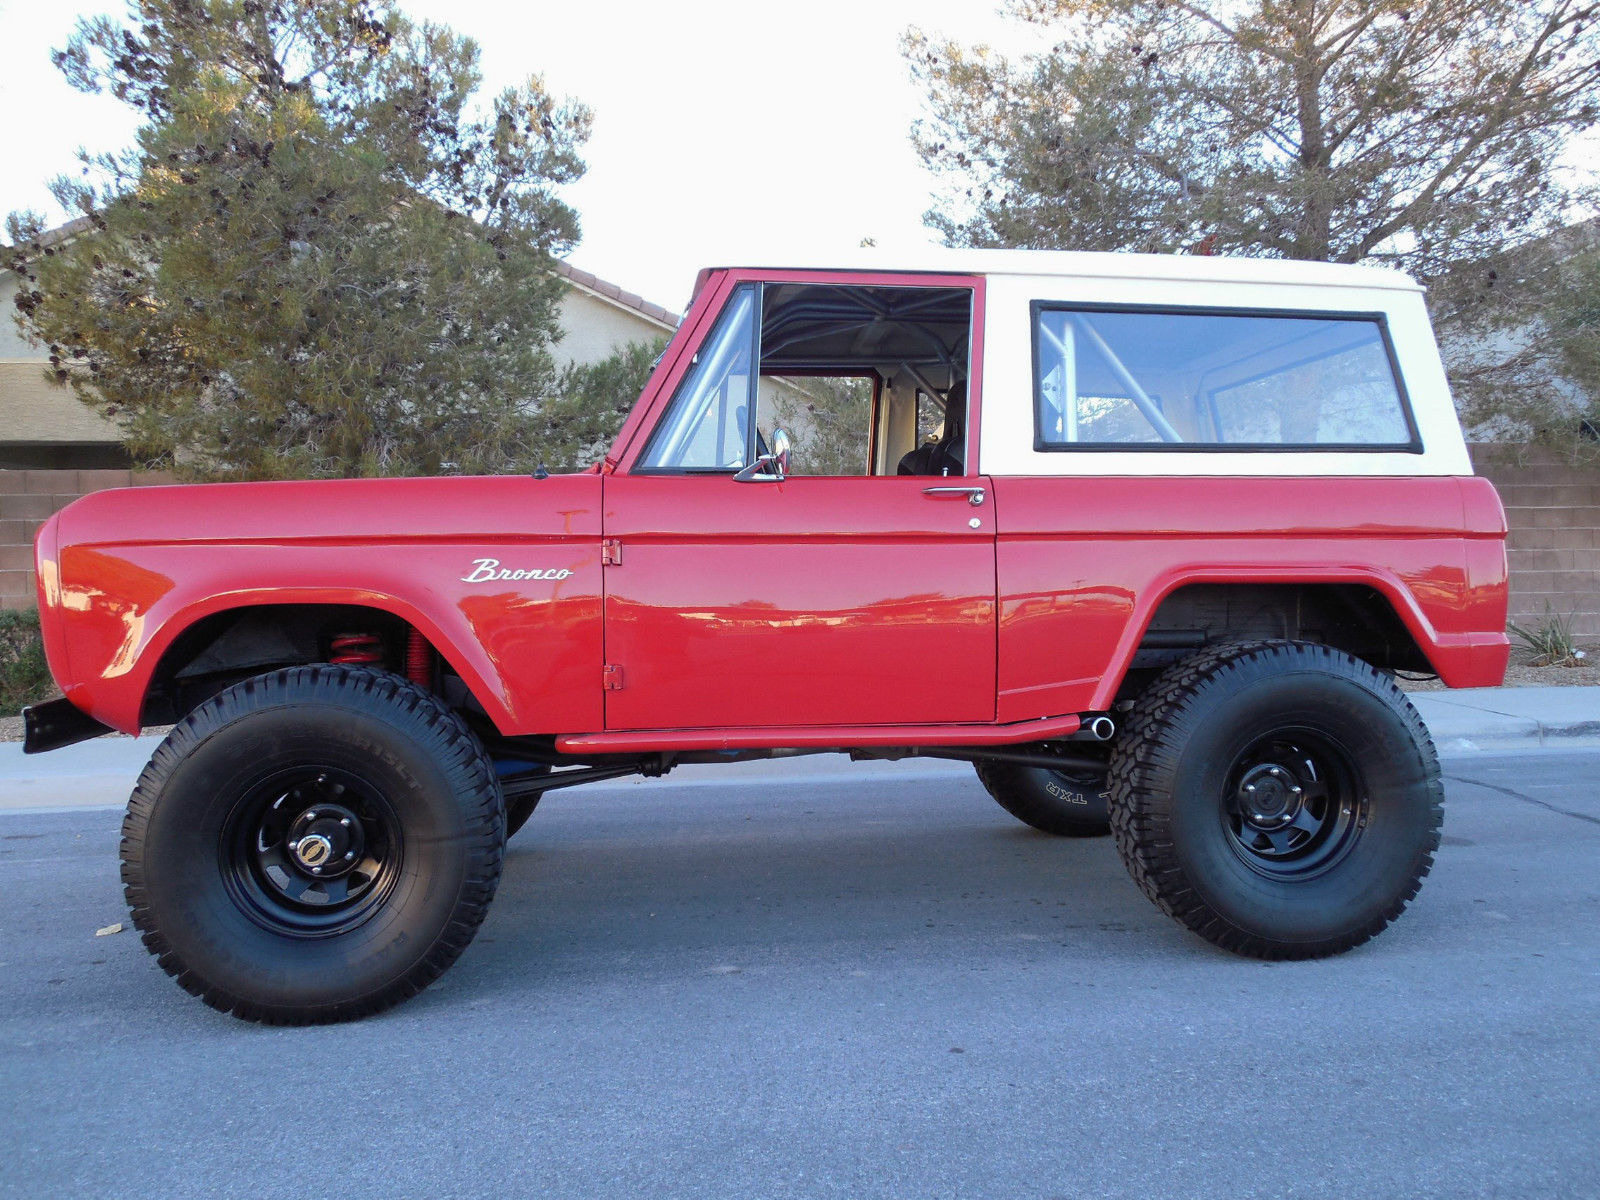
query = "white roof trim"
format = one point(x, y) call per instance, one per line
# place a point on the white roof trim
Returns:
point(1099, 265)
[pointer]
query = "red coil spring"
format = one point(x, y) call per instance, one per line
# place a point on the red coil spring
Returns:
point(357, 649)
point(419, 660)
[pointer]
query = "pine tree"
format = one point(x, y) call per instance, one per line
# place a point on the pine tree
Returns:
point(324, 255)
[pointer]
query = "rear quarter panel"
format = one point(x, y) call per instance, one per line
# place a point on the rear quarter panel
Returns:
point(1083, 563)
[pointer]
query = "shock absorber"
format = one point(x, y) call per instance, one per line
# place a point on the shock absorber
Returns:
point(419, 660)
point(356, 650)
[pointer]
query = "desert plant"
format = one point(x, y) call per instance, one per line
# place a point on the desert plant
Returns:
point(1550, 641)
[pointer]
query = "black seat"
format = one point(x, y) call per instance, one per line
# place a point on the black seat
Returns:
point(947, 455)
point(944, 457)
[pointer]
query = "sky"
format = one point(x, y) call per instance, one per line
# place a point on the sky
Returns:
point(724, 129)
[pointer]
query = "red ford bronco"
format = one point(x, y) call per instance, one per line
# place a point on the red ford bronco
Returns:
point(1143, 539)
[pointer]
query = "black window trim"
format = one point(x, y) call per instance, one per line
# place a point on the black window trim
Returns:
point(1380, 319)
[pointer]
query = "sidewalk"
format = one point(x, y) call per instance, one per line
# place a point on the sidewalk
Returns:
point(101, 773)
point(1512, 719)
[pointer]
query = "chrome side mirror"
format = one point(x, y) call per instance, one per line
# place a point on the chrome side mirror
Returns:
point(772, 467)
point(780, 450)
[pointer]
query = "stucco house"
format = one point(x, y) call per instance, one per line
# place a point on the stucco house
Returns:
point(43, 425)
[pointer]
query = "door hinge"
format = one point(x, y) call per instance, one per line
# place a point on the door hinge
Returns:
point(612, 679)
point(611, 552)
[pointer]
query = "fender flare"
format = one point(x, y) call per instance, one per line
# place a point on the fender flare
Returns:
point(1385, 583)
point(463, 654)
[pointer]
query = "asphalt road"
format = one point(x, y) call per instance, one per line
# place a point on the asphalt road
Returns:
point(829, 985)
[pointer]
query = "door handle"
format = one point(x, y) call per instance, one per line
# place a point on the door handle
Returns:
point(974, 495)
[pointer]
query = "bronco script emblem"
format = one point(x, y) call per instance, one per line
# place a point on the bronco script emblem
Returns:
point(489, 570)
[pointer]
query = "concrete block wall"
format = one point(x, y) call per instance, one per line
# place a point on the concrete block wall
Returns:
point(27, 499)
point(1553, 510)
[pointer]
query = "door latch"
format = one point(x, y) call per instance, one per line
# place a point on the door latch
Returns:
point(974, 495)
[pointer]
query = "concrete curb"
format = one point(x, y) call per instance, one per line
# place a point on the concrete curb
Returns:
point(1504, 719)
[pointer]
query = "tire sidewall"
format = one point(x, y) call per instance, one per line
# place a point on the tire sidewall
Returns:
point(1075, 802)
point(1390, 775)
point(1041, 798)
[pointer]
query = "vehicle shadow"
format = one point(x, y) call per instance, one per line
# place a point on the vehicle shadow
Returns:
point(725, 882)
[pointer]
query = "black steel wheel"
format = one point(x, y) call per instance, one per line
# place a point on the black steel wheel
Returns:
point(1293, 804)
point(311, 851)
point(1281, 799)
point(1062, 802)
point(313, 845)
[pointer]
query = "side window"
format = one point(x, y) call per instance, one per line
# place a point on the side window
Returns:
point(840, 366)
point(1199, 379)
point(843, 366)
point(707, 427)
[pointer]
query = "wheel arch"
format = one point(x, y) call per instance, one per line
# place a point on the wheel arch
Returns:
point(221, 639)
point(1369, 614)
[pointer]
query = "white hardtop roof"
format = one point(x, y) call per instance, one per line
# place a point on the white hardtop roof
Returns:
point(1098, 265)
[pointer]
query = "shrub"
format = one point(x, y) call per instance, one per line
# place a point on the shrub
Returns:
point(24, 676)
point(1550, 641)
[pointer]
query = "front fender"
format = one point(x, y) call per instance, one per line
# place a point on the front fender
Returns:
point(530, 660)
point(526, 638)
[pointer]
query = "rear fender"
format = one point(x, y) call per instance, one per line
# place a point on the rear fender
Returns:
point(1453, 656)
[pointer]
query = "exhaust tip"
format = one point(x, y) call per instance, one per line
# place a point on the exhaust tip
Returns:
point(1101, 728)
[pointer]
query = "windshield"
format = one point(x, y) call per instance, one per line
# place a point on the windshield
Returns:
point(708, 426)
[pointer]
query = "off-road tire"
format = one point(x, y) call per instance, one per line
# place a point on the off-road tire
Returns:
point(1194, 738)
point(520, 809)
point(369, 744)
point(1050, 801)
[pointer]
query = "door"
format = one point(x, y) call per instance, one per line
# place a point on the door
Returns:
point(838, 597)
point(811, 601)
